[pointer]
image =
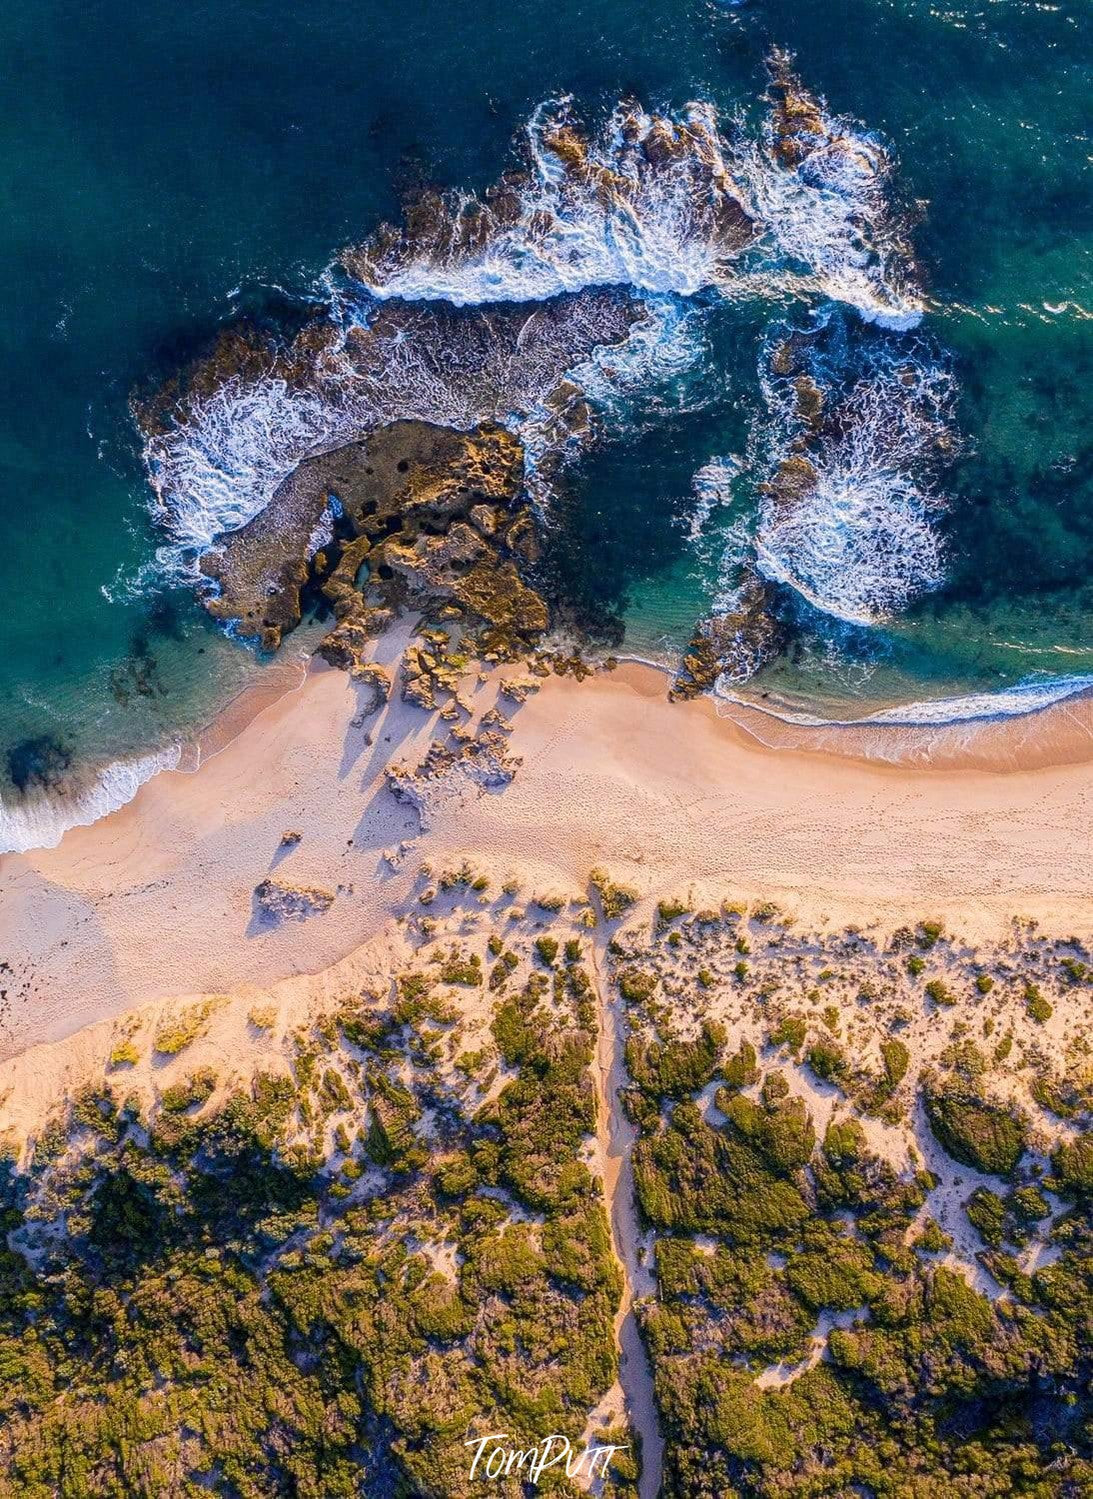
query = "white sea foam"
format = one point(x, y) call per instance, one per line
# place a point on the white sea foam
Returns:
point(671, 224)
point(713, 488)
point(41, 821)
point(616, 220)
point(859, 541)
point(221, 463)
point(221, 466)
point(831, 214)
point(1032, 695)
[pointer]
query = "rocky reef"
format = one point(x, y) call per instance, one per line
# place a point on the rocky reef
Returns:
point(420, 516)
point(643, 164)
point(735, 644)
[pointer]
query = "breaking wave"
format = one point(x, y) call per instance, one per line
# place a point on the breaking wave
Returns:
point(41, 820)
point(662, 204)
point(823, 198)
point(218, 458)
point(849, 515)
point(1032, 695)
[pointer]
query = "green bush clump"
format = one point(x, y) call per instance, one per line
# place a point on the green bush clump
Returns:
point(929, 933)
point(1058, 1095)
point(933, 1238)
point(1072, 1165)
point(896, 1059)
point(974, 1132)
point(987, 1214)
point(615, 899)
point(741, 1070)
point(462, 968)
point(547, 948)
point(692, 1178)
point(198, 1088)
point(636, 986)
point(1036, 1006)
point(790, 1032)
point(844, 1141)
point(940, 993)
point(827, 1061)
point(782, 1132)
point(832, 1271)
point(676, 1069)
point(182, 1030)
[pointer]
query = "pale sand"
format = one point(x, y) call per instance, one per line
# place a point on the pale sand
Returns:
point(157, 899)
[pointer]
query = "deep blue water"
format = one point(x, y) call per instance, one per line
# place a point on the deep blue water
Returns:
point(164, 168)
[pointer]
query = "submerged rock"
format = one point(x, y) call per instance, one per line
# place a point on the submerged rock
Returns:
point(735, 645)
point(41, 761)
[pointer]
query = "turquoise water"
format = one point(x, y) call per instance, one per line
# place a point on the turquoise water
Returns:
point(166, 169)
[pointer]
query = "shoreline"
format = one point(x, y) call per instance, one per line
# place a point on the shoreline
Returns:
point(157, 899)
point(1055, 734)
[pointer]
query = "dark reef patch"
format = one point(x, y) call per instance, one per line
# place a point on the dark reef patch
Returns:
point(39, 763)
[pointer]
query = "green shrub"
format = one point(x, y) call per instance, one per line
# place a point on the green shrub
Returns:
point(790, 1032)
point(741, 1070)
point(976, 1133)
point(1072, 1165)
point(827, 1061)
point(175, 1034)
point(1036, 1005)
point(896, 1059)
point(547, 948)
point(195, 1089)
point(636, 986)
point(987, 1214)
point(615, 899)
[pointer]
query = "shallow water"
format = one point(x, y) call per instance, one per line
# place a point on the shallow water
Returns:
point(165, 171)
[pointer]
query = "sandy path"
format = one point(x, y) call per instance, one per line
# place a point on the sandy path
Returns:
point(157, 899)
point(616, 1137)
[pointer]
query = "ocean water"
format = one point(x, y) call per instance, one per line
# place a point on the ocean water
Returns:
point(167, 170)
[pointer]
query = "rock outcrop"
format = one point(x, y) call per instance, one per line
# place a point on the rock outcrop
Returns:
point(735, 644)
point(420, 516)
point(281, 901)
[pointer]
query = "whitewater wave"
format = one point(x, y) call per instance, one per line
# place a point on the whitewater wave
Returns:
point(650, 205)
point(820, 187)
point(1032, 695)
point(849, 515)
point(41, 821)
point(665, 204)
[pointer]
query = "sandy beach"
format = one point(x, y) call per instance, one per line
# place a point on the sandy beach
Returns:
point(157, 899)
